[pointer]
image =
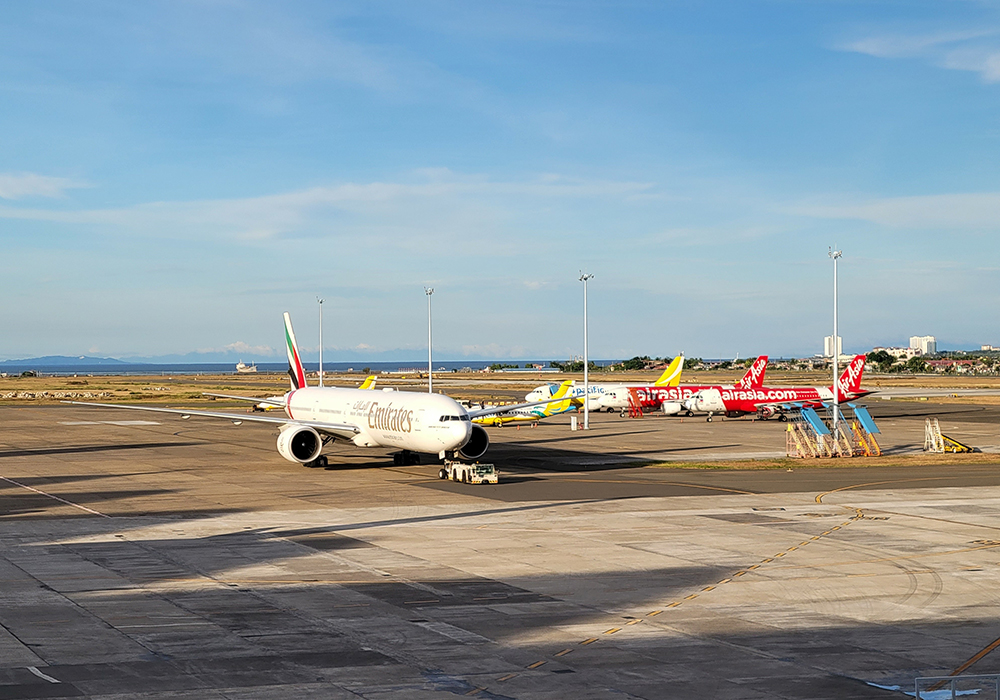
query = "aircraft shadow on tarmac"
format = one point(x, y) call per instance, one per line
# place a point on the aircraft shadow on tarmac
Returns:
point(82, 449)
point(286, 628)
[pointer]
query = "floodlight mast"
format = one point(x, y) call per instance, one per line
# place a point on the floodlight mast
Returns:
point(585, 277)
point(835, 255)
point(430, 363)
point(320, 302)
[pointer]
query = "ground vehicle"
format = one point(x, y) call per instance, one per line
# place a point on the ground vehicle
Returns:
point(474, 473)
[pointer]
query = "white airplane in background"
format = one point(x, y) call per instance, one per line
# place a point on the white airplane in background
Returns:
point(411, 422)
point(606, 395)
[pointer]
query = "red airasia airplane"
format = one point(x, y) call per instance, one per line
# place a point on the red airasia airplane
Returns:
point(670, 399)
point(768, 401)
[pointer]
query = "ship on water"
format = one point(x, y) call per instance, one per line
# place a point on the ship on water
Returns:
point(245, 369)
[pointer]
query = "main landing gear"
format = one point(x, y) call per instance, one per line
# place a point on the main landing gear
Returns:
point(709, 419)
point(405, 458)
point(320, 462)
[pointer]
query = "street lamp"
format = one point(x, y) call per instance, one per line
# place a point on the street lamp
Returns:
point(585, 277)
point(835, 255)
point(320, 302)
point(430, 365)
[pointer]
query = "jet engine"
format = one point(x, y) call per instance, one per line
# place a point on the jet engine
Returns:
point(478, 443)
point(671, 408)
point(299, 443)
point(766, 412)
point(706, 401)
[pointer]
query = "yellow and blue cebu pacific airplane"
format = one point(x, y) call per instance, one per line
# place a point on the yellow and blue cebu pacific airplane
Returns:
point(410, 422)
point(532, 413)
point(608, 396)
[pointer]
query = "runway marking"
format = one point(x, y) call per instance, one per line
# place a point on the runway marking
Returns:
point(124, 423)
point(537, 664)
point(43, 676)
point(61, 500)
point(975, 657)
point(474, 691)
point(648, 482)
point(819, 497)
point(507, 677)
point(859, 515)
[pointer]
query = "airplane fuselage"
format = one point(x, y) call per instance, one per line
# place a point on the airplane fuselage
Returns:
point(402, 419)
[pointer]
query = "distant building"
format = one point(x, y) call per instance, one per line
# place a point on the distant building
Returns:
point(926, 344)
point(989, 348)
point(899, 353)
point(828, 346)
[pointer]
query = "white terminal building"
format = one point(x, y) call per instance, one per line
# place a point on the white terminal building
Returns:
point(926, 344)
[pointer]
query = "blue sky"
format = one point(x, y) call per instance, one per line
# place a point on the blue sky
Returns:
point(174, 175)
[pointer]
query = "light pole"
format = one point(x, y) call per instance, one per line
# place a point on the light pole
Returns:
point(320, 302)
point(430, 365)
point(835, 254)
point(584, 277)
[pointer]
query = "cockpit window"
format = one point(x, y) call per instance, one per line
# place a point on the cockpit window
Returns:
point(447, 418)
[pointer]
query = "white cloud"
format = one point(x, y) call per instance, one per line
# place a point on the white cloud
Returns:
point(438, 200)
point(241, 347)
point(975, 211)
point(975, 50)
point(20, 185)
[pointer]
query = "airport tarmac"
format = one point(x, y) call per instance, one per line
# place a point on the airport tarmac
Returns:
point(185, 559)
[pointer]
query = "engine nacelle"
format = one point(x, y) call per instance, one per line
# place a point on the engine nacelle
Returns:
point(477, 444)
point(671, 408)
point(706, 401)
point(766, 411)
point(299, 443)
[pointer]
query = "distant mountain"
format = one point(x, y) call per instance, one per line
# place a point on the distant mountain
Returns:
point(62, 361)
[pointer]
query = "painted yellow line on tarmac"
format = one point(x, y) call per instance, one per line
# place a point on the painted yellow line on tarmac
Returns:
point(655, 612)
point(978, 656)
point(563, 652)
point(819, 497)
point(507, 677)
point(633, 622)
point(537, 664)
point(613, 630)
point(589, 641)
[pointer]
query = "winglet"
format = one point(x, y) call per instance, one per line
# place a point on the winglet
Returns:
point(295, 370)
point(754, 378)
point(369, 382)
point(672, 374)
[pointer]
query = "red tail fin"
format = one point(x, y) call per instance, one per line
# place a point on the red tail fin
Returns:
point(850, 380)
point(754, 378)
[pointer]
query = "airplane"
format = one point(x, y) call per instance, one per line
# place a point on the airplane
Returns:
point(770, 401)
point(600, 392)
point(413, 423)
point(670, 400)
point(537, 412)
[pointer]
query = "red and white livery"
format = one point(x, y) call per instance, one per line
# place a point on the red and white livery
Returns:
point(769, 401)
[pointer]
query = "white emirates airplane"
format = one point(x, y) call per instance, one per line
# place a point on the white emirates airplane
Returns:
point(409, 421)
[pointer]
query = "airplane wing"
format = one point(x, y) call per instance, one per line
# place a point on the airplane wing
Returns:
point(504, 409)
point(343, 430)
point(274, 401)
